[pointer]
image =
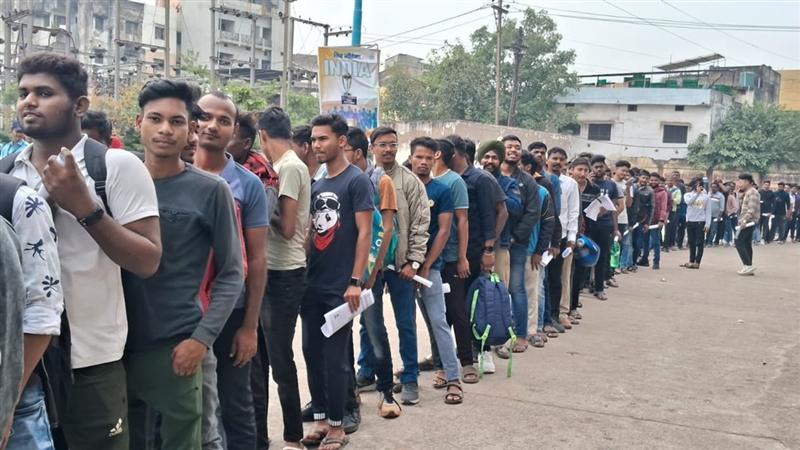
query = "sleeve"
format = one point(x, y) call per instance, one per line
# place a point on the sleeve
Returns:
point(499, 195)
point(387, 196)
point(291, 180)
point(613, 192)
point(131, 193)
point(546, 229)
point(574, 204)
point(445, 201)
point(513, 201)
point(557, 191)
point(690, 196)
point(708, 214)
point(255, 211)
point(361, 191)
point(228, 260)
point(530, 213)
point(487, 198)
point(419, 220)
point(652, 207)
point(41, 269)
point(459, 193)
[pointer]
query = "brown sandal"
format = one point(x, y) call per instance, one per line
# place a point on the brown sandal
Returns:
point(470, 374)
point(439, 381)
point(454, 398)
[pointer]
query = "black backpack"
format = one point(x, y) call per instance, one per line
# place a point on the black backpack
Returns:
point(8, 190)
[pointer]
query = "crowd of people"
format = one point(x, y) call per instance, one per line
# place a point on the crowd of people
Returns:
point(146, 297)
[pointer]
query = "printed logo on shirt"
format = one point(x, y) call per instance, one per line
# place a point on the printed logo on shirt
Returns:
point(326, 219)
point(430, 203)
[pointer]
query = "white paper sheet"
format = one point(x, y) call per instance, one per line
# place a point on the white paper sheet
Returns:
point(546, 258)
point(652, 227)
point(339, 317)
point(423, 281)
point(593, 210)
point(606, 202)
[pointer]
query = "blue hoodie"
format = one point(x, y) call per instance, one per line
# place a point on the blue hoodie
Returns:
point(513, 205)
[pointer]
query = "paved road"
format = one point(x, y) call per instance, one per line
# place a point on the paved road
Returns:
point(676, 359)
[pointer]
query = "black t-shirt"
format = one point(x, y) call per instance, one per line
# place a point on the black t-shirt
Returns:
point(588, 195)
point(609, 188)
point(334, 203)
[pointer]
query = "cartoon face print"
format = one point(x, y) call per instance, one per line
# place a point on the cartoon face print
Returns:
point(326, 219)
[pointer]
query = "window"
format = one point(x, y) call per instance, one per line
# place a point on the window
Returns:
point(266, 64)
point(573, 129)
point(161, 32)
point(158, 62)
point(266, 33)
point(178, 38)
point(678, 107)
point(599, 132)
point(633, 108)
point(59, 21)
point(131, 28)
point(99, 23)
point(226, 25)
point(675, 134)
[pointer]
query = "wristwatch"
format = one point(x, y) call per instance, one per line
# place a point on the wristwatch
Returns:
point(355, 281)
point(415, 265)
point(92, 218)
point(488, 249)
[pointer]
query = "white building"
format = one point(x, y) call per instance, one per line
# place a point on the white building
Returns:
point(657, 123)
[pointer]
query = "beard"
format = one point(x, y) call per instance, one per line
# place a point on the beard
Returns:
point(49, 128)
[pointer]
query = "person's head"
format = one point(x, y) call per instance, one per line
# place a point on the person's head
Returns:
point(384, 144)
point(781, 186)
point(539, 150)
point(766, 185)
point(621, 169)
point(446, 151)
point(715, 187)
point(218, 126)
point(52, 95)
point(655, 180)
point(644, 177)
point(423, 151)
point(491, 154)
point(556, 160)
point(301, 140)
point(328, 137)
point(356, 147)
point(598, 163)
point(273, 124)
point(461, 158)
point(97, 126)
point(794, 189)
point(471, 148)
point(16, 131)
point(696, 184)
point(164, 120)
point(188, 152)
point(586, 155)
point(579, 169)
point(744, 182)
point(528, 163)
point(242, 142)
point(513, 148)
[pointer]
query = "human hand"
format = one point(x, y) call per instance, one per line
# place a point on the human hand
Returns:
point(407, 272)
point(353, 297)
point(487, 262)
point(186, 356)
point(244, 346)
point(67, 186)
point(462, 268)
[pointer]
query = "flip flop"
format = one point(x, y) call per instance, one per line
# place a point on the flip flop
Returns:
point(536, 341)
point(520, 346)
point(314, 442)
point(502, 351)
point(470, 371)
point(342, 442)
point(439, 381)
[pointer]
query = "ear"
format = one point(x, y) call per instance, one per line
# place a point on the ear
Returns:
point(342, 141)
point(436, 155)
point(137, 124)
point(82, 105)
point(262, 138)
point(192, 125)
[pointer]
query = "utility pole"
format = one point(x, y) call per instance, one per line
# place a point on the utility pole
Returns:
point(518, 47)
point(325, 27)
point(68, 14)
point(213, 45)
point(28, 30)
point(7, 18)
point(253, 28)
point(357, 11)
point(167, 47)
point(287, 49)
point(117, 55)
point(499, 11)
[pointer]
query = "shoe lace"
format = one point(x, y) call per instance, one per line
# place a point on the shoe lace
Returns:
point(388, 397)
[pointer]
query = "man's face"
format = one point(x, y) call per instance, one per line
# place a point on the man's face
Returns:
point(654, 181)
point(714, 188)
point(44, 108)
point(794, 190)
point(555, 162)
point(782, 187)
point(238, 147)
point(513, 150)
point(300, 149)
point(765, 185)
point(187, 154)
point(622, 173)
point(599, 170)
point(17, 135)
point(580, 172)
point(421, 161)
point(217, 127)
point(164, 125)
point(385, 148)
point(643, 180)
point(742, 185)
point(540, 154)
point(326, 145)
point(490, 162)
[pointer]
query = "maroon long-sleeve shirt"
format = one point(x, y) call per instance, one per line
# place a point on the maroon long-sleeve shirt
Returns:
point(662, 205)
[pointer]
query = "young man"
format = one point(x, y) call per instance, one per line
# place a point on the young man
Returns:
point(97, 126)
point(579, 170)
point(643, 208)
point(605, 228)
point(731, 211)
point(778, 230)
point(749, 210)
point(656, 224)
point(17, 141)
point(339, 242)
point(717, 201)
point(795, 228)
point(671, 234)
point(376, 373)
point(12, 304)
point(413, 220)
point(170, 327)
point(43, 300)
point(521, 225)
point(301, 144)
point(569, 215)
point(92, 245)
point(767, 211)
point(699, 214)
point(189, 150)
point(286, 277)
point(624, 184)
point(431, 299)
point(237, 343)
point(456, 267)
point(539, 151)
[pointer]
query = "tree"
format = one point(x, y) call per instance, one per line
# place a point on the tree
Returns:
point(301, 106)
point(122, 114)
point(192, 70)
point(404, 96)
point(752, 138)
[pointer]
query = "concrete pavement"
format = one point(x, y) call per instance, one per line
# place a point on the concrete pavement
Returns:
point(706, 359)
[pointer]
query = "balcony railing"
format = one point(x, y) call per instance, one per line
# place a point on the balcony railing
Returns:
point(229, 36)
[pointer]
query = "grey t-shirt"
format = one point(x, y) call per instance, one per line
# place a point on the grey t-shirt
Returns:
point(197, 215)
point(12, 305)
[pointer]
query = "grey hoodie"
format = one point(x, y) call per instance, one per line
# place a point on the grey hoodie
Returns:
point(698, 207)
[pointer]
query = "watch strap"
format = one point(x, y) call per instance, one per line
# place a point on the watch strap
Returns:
point(92, 218)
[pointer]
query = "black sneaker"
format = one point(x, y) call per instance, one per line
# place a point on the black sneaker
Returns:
point(643, 263)
point(351, 421)
point(307, 414)
point(656, 266)
point(364, 384)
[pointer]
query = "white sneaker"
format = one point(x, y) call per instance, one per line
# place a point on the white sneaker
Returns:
point(741, 271)
point(762, 242)
point(749, 270)
point(488, 363)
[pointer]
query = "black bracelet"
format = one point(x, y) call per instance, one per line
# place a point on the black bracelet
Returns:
point(92, 218)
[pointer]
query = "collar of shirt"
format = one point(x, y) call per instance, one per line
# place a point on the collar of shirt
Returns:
point(24, 157)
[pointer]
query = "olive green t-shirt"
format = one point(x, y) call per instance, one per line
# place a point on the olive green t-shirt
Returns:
point(295, 183)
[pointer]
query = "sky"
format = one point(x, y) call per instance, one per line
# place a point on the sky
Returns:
point(603, 44)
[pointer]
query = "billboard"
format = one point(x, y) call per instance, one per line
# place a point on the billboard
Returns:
point(348, 84)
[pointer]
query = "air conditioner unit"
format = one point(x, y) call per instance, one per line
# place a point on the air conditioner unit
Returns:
point(747, 79)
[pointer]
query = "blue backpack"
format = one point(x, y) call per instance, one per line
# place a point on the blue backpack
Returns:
point(491, 315)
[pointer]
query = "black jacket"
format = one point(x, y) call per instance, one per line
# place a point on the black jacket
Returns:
point(522, 225)
point(555, 239)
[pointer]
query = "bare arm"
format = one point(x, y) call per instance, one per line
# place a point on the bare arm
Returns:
point(463, 232)
point(34, 345)
point(364, 225)
point(501, 214)
point(136, 247)
point(245, 342)
point(285, 222)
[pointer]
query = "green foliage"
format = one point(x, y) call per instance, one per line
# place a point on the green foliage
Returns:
point(301, 106)
point(752, 138)
point(122, 114)
point(460, 81)
point(192, 70)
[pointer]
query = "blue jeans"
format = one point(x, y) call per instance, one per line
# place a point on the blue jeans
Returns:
point(31, 428)
point(626, 252)
point(712, 231)
point(518, 256)
point(375, 358)
point(432, 306)
point(405, 314)
point(730, 224)
point(542, 297)
point(652, 241)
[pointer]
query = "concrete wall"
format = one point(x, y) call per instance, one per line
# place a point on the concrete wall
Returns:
point(478, 132)
point(790, 89)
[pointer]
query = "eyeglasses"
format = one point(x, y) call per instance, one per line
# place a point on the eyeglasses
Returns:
point(385, 145)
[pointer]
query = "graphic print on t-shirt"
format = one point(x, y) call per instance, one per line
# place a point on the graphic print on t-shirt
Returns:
point(325, 219)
